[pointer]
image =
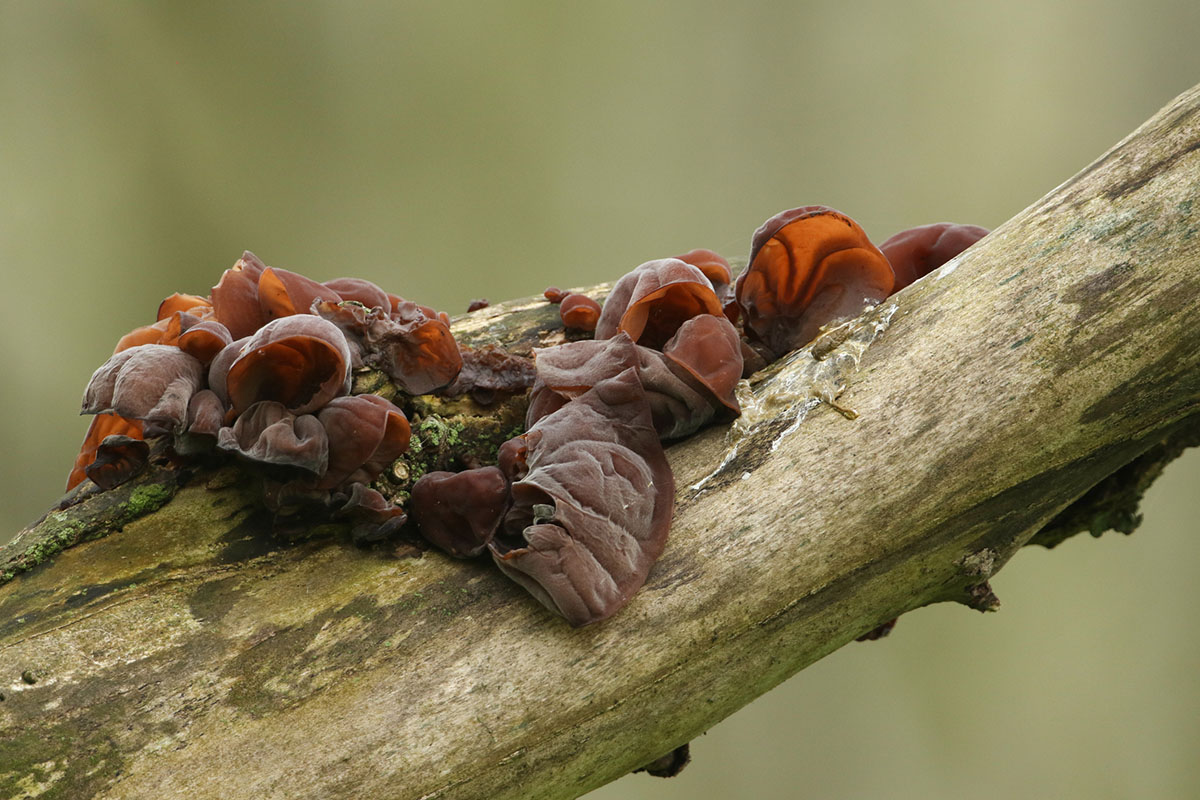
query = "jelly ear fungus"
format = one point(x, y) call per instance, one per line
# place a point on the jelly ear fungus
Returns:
point(916, 252)
point(808, 267)
point(591, 512)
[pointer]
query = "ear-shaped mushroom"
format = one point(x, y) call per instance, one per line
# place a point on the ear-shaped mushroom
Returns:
point(416, 352)
point(709, 349)
point(808, 267)
point(592, 515)
point(715, 268)
point(511, 457)
point(302, 361)
point(271, 434)
point(118, 459)
point(102, 426)
point(166, 330)
point(206, 413)
point(366, 433)
point(652, 301)
point(406, 311)
point(360, 291)
point(150, 382)
point(579, 311)
point(282, 293)
point(679, 404)
point(146, 334)
point(218, 369)
point(235, 297)
point(916, 252)
point(192, 303)
point(204, 340)
point(459, 512)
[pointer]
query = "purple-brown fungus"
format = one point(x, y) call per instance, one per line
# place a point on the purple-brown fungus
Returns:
point(916, 252)
point(366, 433)
point(118, 458)
point(301, 361)
point(809, 266)
point(150, 382)
point(591, 515)
point(414, 350)
point(579, 312)
point(459, 512)
point(270, 433)
point(652, 301)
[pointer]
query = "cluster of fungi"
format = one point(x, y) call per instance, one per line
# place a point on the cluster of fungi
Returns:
point(576, 508)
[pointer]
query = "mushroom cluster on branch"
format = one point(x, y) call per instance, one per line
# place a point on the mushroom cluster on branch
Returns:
point(576, 507)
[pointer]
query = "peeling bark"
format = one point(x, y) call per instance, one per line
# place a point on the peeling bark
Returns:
point(195, 654)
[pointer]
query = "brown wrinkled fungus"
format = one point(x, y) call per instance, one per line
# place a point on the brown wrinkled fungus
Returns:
point(652, 301)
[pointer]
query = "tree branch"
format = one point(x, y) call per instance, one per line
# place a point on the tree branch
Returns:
point(196, 654)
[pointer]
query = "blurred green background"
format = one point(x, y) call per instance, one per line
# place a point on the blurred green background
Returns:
point(450, 151)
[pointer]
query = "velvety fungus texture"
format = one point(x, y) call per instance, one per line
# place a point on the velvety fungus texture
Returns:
point(150, 382)
point(270, 433)
point(591, 515)
point(366, 433)
point(577, 508)
point(415, 350)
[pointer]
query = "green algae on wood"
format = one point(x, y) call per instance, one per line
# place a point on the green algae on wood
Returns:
point(86, 515)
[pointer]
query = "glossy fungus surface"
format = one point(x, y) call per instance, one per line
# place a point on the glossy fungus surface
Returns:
point(360, 291)
point(579, 312)
point(708, 349)
point(459, 512)
point(652, 301)
point(916, 252)
point(301, 361)
point(118, 458)
point(204, 340)
point(415, 350)
point(101, 427)
point(808, 267)
point(192, 303)
point(366, 433)
point(282, 293)
point(235, 297)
